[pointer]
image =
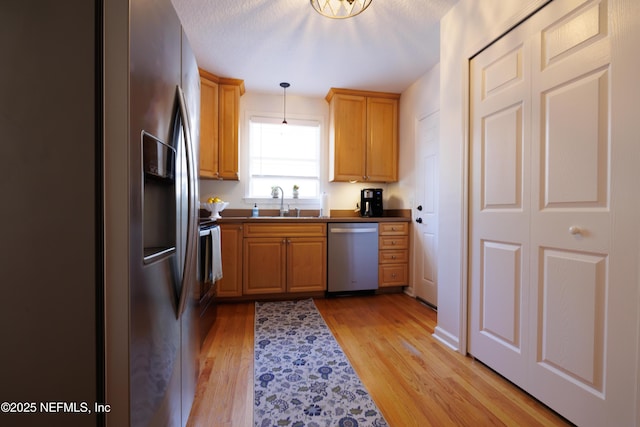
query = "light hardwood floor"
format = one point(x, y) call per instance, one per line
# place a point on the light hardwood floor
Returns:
point(414, 379)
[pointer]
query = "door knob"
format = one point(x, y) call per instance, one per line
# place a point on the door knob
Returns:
point(419, 220)
point(574, 229)
point(419, 207)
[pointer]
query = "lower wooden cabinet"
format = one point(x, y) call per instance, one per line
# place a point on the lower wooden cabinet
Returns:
point(393, 255)
point(264, 270)
point(280, 258)
point(284, 258)
point(306, 264)
point(231, 246)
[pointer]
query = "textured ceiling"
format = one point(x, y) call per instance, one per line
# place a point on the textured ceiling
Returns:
point(265, 42)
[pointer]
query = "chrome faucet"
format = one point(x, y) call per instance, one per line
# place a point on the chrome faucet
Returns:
point(283, 211)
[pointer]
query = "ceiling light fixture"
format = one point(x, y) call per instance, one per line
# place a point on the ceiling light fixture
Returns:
point(340, 9)
point(284, 86)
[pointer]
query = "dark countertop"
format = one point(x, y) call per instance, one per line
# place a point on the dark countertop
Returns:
point(240, 216)
point(270, 220)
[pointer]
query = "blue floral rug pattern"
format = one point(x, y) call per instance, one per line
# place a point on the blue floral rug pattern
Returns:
point(302, 378)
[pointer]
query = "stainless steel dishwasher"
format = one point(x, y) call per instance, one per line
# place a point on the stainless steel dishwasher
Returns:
point(353, 257)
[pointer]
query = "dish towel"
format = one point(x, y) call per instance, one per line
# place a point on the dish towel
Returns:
point(216, 255)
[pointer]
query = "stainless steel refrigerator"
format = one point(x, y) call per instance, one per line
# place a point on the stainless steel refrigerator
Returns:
point(99, 119)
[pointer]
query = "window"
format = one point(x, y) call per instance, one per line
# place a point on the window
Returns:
point(284, 155)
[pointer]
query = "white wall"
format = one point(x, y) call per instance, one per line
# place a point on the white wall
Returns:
point(417, 101)
point(468, 27)
point(341, 195)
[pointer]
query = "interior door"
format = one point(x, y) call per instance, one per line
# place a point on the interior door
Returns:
point(571, 217)
point(499, 205)
point(543, 263)
point(426, 211)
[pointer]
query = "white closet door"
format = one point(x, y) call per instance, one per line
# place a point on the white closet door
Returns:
point(571, 217)
point(544, 264)
point(500, 205)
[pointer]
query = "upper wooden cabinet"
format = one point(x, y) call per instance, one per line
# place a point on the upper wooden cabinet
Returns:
point(363, 135)
point(219, 121)
point(208, 128)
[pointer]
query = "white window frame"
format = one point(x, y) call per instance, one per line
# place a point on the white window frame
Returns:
point(308, 202)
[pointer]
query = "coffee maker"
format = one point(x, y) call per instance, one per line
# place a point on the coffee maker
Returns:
point(371, 202)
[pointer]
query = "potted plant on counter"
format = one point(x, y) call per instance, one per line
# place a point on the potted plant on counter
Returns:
point(295, 191)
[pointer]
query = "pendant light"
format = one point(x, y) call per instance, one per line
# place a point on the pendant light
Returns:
point(284, 86)
point(340, 9)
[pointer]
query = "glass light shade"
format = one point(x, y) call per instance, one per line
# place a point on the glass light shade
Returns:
point(340, 9)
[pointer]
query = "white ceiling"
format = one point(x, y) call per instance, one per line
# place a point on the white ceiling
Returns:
point(265, 42)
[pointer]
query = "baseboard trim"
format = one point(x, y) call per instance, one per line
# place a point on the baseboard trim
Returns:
point(446, 338)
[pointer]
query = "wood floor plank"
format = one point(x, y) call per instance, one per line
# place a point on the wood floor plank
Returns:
point(413, 378)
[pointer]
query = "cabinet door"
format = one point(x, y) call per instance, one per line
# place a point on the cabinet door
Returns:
point(231, 245)
point(382, 140)
point(264, 267)
point(208, 128)
point(392, 275)
point(229, 100)
point(306, 264)
point(348, 137)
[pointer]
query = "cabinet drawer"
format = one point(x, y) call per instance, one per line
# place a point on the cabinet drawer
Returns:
point(285, 230)
point(394, 228)
point(393, 242)
point(393, 256)
point(392, 274)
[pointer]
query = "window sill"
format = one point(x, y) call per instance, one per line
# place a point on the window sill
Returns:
point(268, 201)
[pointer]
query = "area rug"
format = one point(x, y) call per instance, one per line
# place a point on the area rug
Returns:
point(302, 378)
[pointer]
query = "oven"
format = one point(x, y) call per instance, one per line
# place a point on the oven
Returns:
point(208, 255)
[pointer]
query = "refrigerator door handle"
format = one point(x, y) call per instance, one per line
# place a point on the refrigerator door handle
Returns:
point(191, 191)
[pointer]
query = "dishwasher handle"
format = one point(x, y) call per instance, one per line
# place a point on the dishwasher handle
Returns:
point(353, 230)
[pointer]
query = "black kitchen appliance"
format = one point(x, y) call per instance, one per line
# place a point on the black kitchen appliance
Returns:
point(371, 202)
